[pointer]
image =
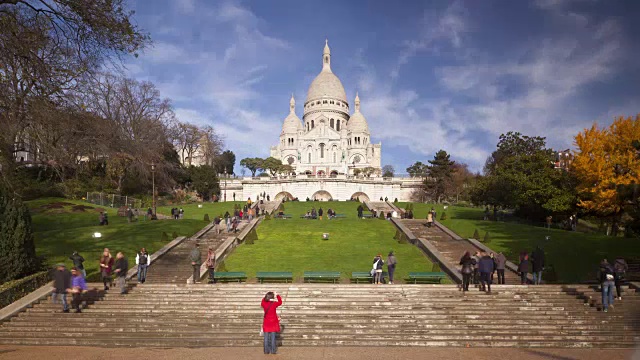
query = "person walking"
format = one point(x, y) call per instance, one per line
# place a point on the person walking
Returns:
point(61, 283)
point(227, 220)
point(106, 265)
point(429, 219)
point(216, 224)
point(377, 269)
point(121, 266)
point(143, 260)
point(195, 258)
point(523, 267)
point(537, 265)
point(486, 269)
point(501, 262)
point(360, 210)
point(476, 273)
point(320, 212)
point(468, 263)
point(620, 268)
point(607, 281)
point(78, 288)
point(391, 266)
point(78, 262)
point(211, 265)
point(270, 321)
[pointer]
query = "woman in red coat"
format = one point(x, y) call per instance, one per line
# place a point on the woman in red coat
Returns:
point(271, 322)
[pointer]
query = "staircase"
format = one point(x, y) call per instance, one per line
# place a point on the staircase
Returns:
point(175, 267)
point(452, 249)
point(180, 315)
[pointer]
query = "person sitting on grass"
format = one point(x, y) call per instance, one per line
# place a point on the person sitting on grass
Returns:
point(307, 215)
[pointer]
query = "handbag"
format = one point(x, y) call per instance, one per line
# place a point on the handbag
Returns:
point(265, 315)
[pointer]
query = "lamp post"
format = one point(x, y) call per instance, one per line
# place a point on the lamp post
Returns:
point(153, 187)
point(225, 185)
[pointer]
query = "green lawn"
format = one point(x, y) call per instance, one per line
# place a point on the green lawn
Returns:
point(574, 255)
point(59, 230)
point(296, 244)
point(192, 211)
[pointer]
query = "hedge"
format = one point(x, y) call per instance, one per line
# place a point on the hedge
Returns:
point(16, 289)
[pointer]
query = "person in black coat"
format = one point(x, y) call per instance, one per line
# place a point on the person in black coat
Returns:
point(523, 267)
point(468, 263)
point(537, 265)
point(61, 283)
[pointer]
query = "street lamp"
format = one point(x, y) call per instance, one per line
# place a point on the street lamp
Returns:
point(153, 187)
point(225, 185)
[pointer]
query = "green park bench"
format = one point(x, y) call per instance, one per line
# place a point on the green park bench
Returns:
point(310, 276)
point(367, 216)
point(428, 277)
point(364, 276)
point(237, 276)
point(340, 216)
point(283, 216)
point(263, 276)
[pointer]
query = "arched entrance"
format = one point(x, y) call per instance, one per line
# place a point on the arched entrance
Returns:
point(282, 195)
point(334, 173)
point(360, 196)
point(322, 195)
point(321, 173)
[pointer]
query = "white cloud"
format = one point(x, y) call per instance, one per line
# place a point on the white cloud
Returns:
point(185, 6)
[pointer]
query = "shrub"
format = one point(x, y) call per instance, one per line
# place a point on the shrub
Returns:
point(436, 267)
point(267, 216)
point(16, 289)
point(487, 237)
point(395, 200)
point(206, 218)
point(476, 235)
point(174, 235)
point(381, 216)
point(401, 237)
point(221, 267)
point(251, 237)
point(443, 216)
point(164, 238)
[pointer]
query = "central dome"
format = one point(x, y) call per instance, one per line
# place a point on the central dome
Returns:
point(326, 84)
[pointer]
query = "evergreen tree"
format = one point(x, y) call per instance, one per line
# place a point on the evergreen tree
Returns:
point(440, 174)
point(17, 248)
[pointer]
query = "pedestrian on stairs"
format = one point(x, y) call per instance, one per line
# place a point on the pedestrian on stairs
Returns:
point(468, 263)
point(476, 273)
point(501, 262)
point(211, 265)
point(77, 289)
point(523, 267)
point(429, 219)
point(78, 262)
point(607, 281)
point(486, 269)
point(195, 258)
point(121, 267)
point(620, 267)
point(391, 266)
point(537, 265)
point(217, 223)
point(61, 282)
point(106, 265)
point(270, 321)
point(143, 260)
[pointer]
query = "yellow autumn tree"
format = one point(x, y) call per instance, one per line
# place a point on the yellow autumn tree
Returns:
point(607, 159)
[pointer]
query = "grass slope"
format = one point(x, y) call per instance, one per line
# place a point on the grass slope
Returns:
point(296, 244)
point(574, 255)
point(59, 230)
point(192, 211)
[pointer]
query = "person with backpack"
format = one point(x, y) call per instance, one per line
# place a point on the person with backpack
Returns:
point(468, 263)
point(620, 268)
point(377, 269)
point(391, 266)
point(607, 276)
point(78, 263)
point(270, 321)
point(143, 260)
point(485, 266)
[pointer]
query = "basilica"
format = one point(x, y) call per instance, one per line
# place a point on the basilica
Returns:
point(330, 139)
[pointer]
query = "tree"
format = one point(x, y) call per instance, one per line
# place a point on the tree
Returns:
point(226, 162)
point(418, 170)
point(607, 167)
point(519, 174)
point(286, 169)
point(252, 164)
point(17, 247)
point(272, 165)
point(204, 180)
point(461, 181)
point(440, 173)
point(387, 171)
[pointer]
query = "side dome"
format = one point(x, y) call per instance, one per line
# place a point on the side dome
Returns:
point(292, 122)
point(326, 84)
point(357, 122)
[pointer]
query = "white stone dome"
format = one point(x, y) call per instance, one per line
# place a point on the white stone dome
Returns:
point(357, 122)
point(292, 122)
point(326, 84)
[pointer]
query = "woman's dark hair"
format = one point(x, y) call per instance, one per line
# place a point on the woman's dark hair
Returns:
point(466, 254)
point(269, 296)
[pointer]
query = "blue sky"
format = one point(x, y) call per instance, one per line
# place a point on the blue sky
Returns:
point(431, 75)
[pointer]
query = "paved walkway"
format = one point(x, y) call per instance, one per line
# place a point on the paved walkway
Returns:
point(364, 353)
